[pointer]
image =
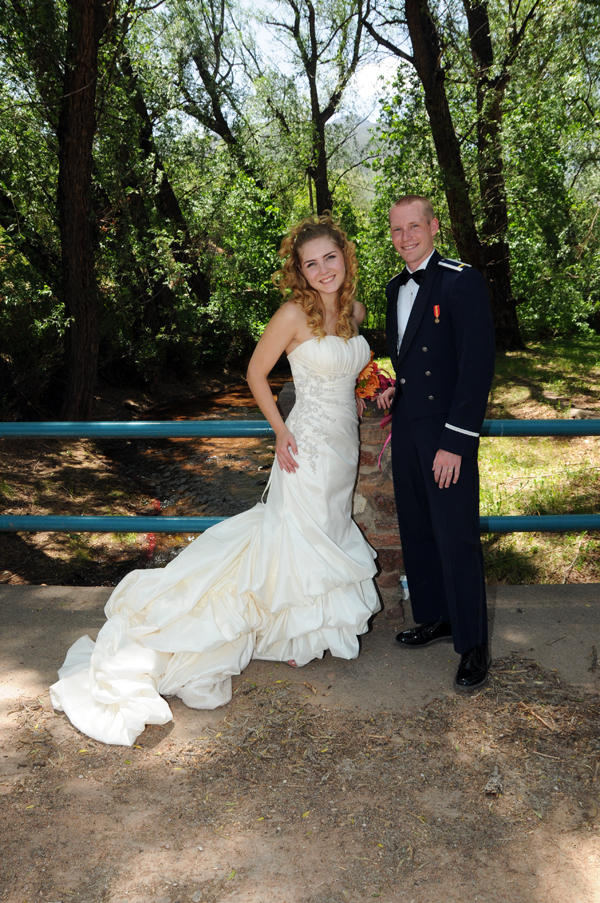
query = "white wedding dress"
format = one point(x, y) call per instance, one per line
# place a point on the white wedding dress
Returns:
point(287, 579)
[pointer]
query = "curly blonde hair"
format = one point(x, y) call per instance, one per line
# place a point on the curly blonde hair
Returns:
point(294, 287)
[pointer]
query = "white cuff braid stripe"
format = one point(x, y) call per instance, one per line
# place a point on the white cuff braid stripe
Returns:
point(457, 429)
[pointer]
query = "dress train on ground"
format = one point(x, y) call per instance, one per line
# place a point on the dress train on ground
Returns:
point(287, 579)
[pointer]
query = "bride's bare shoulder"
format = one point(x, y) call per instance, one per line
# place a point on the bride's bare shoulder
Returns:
point(290, 320)
point(291, 313)
point(359, 312)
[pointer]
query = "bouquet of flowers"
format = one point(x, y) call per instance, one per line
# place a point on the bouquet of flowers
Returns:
point(373, 380)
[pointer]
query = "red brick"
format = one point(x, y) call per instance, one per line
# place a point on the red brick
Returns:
point(388, 523)
point(370, 438)
point(367, 457)
point(375, 483)
point(386, 504)
point(369, 472)
point(369, 487)
point(371, 434)
point(389, 559)
point(388, 580)
point(384, 540)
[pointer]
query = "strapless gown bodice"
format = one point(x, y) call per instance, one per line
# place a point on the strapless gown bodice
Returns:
point(288, 579)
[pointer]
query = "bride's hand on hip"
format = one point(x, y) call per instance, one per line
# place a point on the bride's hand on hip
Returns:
point(285, 448)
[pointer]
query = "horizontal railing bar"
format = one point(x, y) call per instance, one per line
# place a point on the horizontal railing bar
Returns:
point(228, 428)
point(505, 428)
point(536, 523)
point(191, 429)
point(140, 429)
point(107, 524)
point(540, 523)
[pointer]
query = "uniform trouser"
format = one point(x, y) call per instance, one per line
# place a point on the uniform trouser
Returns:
point(439, 529)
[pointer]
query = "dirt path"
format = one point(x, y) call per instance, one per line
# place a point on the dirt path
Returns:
point(278, 800)
point(342, 781)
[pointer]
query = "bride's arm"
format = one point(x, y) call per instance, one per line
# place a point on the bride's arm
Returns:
point(359, 312)
point(278, 335)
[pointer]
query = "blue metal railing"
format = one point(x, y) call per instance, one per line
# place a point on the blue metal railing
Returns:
point(191, 429)
point(141, 429)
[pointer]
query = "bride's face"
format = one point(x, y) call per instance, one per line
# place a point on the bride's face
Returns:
point(322, 265)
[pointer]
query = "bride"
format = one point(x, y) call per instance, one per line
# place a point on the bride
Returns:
point(284, 581)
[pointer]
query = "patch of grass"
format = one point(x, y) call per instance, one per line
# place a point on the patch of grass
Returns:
point(129, 538)
point(6, 489)
point(568, 368)
point(543, 475)
point(78, 545)
point(505, 562)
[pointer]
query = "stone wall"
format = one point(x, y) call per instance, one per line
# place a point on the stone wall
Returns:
point(375, 509)
point(374, 506)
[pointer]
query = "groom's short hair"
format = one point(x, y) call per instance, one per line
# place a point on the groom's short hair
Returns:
point(425, 203)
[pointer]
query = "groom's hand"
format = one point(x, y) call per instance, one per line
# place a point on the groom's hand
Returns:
point(446, 468)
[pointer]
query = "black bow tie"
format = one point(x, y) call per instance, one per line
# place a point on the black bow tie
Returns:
point(405, 275)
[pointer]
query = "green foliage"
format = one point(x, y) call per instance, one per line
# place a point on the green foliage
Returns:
point(551, 164)
point(189, 209)
point(243, 297)
point(550, 155)
point(405, 164)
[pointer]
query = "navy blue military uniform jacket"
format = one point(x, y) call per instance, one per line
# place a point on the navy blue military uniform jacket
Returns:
point(445, 363)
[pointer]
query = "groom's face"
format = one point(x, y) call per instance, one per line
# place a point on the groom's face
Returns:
point(412, 233)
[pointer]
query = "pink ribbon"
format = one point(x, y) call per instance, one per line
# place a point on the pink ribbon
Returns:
point(384, 422)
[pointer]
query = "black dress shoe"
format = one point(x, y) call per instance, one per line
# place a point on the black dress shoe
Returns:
point(473, 670)
point(425, 634)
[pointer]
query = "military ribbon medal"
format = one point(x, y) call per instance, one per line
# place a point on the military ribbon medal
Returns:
point(436, 312)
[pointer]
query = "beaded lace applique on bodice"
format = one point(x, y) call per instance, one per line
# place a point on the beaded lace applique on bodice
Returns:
point(324, 372)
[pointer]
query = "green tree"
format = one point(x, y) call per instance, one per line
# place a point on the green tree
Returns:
point(325, 40)
point(468, 45)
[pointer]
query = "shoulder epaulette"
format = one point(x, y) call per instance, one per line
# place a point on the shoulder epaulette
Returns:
point(456, 265)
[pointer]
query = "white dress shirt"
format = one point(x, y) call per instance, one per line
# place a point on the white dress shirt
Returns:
point(406, 298)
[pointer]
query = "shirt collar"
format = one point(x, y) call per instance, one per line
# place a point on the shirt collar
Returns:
point(423, 265)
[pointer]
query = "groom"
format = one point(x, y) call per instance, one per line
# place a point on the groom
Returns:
point(441, 340)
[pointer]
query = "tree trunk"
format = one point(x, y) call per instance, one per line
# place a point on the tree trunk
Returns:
point(491, 257)
point(319, 170)
point(490, 166)
point(76, 131)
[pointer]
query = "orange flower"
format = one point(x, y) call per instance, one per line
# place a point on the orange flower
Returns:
point(371, 380)
point(366, 379)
